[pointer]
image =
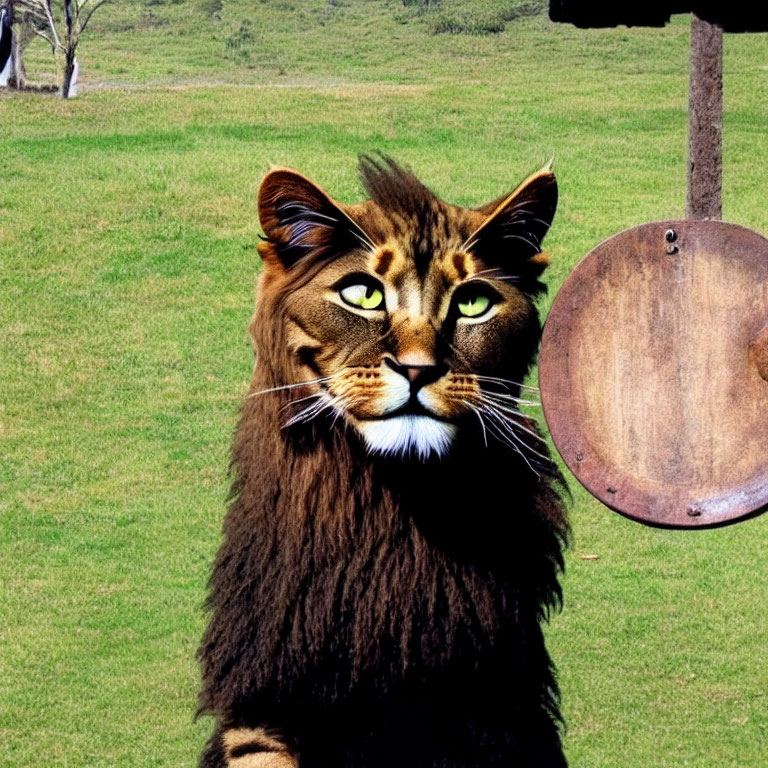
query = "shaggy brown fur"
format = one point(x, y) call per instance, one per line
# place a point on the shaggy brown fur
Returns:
point(372, 611)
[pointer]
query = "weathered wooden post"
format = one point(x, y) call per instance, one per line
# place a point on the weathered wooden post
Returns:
point(705, 121)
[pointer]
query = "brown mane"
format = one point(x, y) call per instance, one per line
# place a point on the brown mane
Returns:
point(344, 572)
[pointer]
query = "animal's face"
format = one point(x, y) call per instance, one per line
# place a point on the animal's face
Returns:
point(412, 318)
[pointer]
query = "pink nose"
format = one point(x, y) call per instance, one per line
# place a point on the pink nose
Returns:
point(418, 375)
point(412, 371)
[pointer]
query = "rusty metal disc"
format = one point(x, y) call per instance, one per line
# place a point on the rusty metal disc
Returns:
point(654, 373)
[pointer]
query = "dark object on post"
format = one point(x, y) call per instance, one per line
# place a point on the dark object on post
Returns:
point(737, 16)
point(654, 373)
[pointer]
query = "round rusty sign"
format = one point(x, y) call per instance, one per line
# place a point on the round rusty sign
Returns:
point(654, 373)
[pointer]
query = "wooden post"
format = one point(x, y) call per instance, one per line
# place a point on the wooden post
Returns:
point(705, 120)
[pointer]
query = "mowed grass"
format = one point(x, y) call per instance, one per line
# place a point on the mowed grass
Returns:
point(128, 235)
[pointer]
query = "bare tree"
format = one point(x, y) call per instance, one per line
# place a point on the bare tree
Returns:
point(64, 36)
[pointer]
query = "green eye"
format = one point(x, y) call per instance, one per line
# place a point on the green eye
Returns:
point(475, 305)
point(363, 296)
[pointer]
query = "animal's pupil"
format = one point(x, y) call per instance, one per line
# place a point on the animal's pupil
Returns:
point(475, 305)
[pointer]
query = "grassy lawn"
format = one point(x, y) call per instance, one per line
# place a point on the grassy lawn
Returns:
point(127, 266)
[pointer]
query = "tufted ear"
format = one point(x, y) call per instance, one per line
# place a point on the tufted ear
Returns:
point(510, 237)
point(300, 220)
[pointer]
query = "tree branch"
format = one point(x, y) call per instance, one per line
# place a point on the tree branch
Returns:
point(49, 16)
point(45, 37)
point(90, 13)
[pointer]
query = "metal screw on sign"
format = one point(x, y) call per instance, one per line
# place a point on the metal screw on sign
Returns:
point(670, 236)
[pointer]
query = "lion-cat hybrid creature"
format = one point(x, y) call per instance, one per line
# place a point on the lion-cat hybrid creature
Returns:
point(396, 532)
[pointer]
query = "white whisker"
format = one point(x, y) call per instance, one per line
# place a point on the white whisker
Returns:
point(508, 382)
point(505, 398)
point(291, 403)
point(480, 417)
point(364, 239)
point(321, 380)
point(509, 412)
point(490, 274)
point(312, 411)
point(506, 441)
point(511, 427)
point(524, 239)
point(505, 423)
point(304, 415)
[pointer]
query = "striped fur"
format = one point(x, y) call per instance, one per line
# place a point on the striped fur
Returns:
point(396, 529)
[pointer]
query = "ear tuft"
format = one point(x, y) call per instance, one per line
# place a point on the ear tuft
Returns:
point(300, 220)
point(510, 238)
point(293, 213)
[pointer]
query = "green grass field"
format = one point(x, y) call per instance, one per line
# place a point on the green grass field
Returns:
point(128, 236)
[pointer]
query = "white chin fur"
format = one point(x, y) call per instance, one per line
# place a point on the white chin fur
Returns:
point(403, 435)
